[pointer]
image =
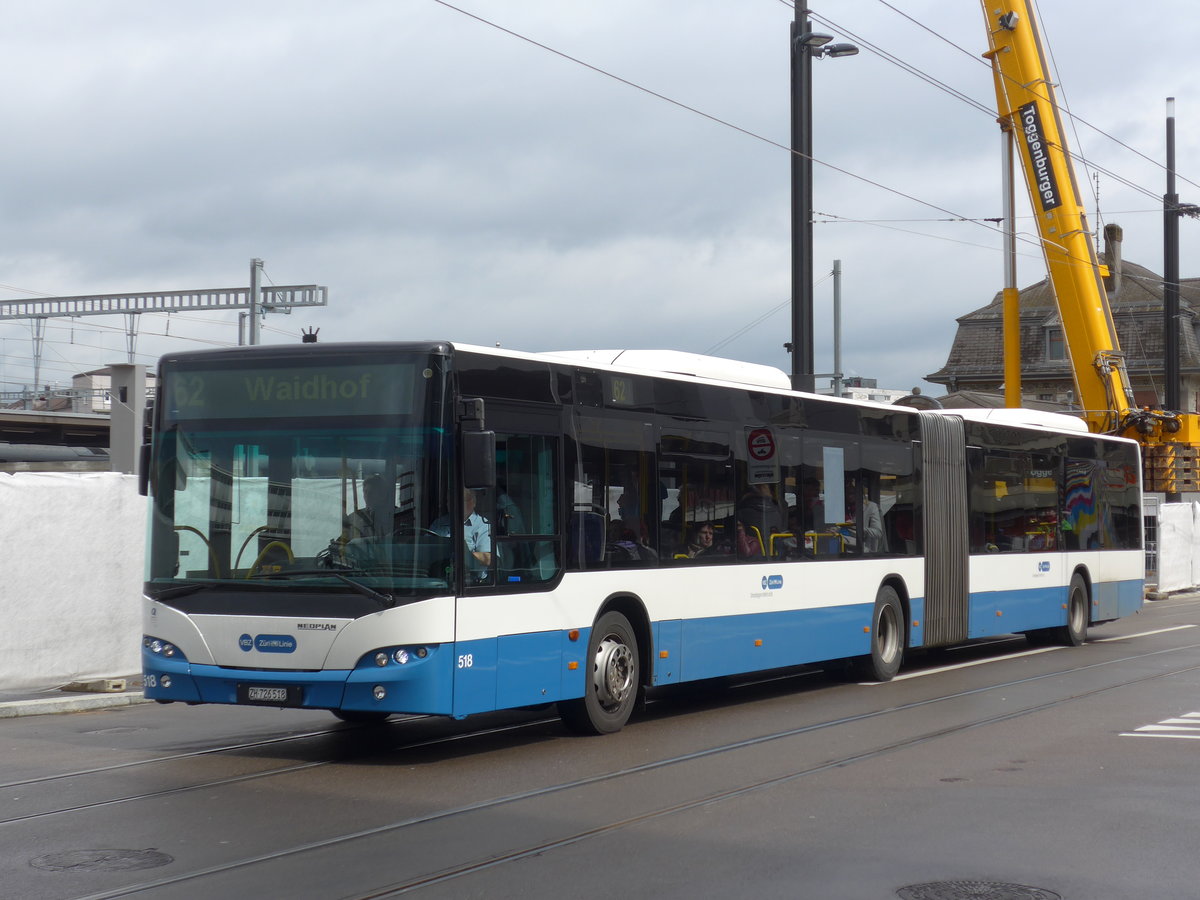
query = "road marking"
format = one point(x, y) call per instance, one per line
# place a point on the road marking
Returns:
point(1126, 637)
point(1185, 726)
point(1031, 652)
point(967, 665)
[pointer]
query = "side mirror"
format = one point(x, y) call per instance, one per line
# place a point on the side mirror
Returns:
point(144, 471)
point(479, 459)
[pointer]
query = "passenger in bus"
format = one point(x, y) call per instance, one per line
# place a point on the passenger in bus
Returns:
point(626, 545)
point(758, 508)
point(476, 532)
point(869, 524)
point(700, 541)
point(748, 544)
point(761, 517)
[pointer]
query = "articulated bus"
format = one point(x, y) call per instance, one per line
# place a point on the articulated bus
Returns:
point(435, 528)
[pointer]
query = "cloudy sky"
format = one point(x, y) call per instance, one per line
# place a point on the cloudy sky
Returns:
point(450, 177)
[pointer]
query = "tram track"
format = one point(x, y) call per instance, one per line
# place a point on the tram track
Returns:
point(418, 881)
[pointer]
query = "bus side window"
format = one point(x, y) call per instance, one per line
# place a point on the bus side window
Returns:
point(696, 478)
point(616, 495)
point(523, 511)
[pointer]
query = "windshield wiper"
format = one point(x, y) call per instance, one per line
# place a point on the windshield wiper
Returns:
point(385, 600)
point(182, 590)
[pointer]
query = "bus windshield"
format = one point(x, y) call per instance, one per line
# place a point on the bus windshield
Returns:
point(317, 475)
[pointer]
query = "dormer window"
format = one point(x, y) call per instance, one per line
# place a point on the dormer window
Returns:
point(1056, 347)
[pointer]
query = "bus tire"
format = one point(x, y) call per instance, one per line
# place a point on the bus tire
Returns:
point(361, 716)
point(612, 679)
point(889, 637)
point(1074, 632)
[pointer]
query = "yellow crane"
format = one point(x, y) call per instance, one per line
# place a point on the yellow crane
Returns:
point(1029, 112)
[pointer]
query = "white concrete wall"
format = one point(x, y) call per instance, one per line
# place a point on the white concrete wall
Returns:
point(1178, 550)
point(70, 577)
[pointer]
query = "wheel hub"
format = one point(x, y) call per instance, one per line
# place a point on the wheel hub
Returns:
point(613, 673)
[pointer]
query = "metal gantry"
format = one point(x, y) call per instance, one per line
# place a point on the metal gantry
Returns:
point(281, 298)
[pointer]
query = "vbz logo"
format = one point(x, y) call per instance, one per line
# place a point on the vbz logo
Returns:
point(772, 582)
point(1044, 566)
point(246, 643)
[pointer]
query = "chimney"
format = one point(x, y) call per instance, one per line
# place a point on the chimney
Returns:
point(1113, 235)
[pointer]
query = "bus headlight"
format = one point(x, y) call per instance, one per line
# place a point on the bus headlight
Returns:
point(378, 692)
point(160, 647)
point(400, 656)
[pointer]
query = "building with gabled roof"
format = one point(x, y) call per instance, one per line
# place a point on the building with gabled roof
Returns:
point(976, 359)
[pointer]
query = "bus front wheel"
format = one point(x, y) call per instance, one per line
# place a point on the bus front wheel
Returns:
point(612, 679)
point(888, 639)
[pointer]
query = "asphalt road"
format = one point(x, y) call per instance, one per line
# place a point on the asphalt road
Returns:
point(994, 770)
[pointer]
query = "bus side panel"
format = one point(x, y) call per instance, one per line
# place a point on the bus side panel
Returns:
point(916, 622)
point(668, 639)
point(727, 645)
point(1120, 584)
point(474, 674)
point(1005, 612)
point(1017, 592)
point(529, 669)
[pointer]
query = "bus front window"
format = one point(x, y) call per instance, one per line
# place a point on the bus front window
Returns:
point(301, 502)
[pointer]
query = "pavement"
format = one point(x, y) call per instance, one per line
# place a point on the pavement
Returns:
point(64, 700)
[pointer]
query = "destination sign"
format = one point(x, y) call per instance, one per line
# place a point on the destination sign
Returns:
point(304, 391)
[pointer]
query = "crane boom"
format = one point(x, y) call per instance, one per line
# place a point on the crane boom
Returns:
point(1029, 112)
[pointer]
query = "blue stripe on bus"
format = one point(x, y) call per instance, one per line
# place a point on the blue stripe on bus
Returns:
point(1005, 612)
point(469, 677)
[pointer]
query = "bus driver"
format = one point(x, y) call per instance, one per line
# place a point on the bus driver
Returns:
point(477, 534)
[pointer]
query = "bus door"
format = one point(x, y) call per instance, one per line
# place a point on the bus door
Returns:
point(509, 633)
point(944, 480)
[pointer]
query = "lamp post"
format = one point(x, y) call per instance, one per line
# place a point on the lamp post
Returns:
point(805, 44)
point(1172, 210)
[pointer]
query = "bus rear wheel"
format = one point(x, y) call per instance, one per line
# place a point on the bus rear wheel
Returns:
point(613, 678)
point(1074, 632)
point(889, 637)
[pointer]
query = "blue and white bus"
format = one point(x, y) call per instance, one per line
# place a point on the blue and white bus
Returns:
point(436, 528)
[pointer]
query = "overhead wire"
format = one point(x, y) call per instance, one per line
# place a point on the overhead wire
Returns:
point(977, 58)
point(750, 326)
point(891, 58)
point(912, 69)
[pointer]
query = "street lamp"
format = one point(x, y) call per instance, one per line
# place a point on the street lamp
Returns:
point(805, 45)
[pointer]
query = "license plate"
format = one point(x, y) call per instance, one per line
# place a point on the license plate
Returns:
point(287, 695)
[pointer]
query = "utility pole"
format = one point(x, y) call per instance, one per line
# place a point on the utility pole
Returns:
point(802, 240)
point(837, 328)
point(256, 267)
point(1171, 272)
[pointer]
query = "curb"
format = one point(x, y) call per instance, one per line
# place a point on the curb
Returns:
point(40, 706)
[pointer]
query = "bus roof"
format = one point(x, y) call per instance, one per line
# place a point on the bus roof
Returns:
point(1039, 418)
point(677, 362)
